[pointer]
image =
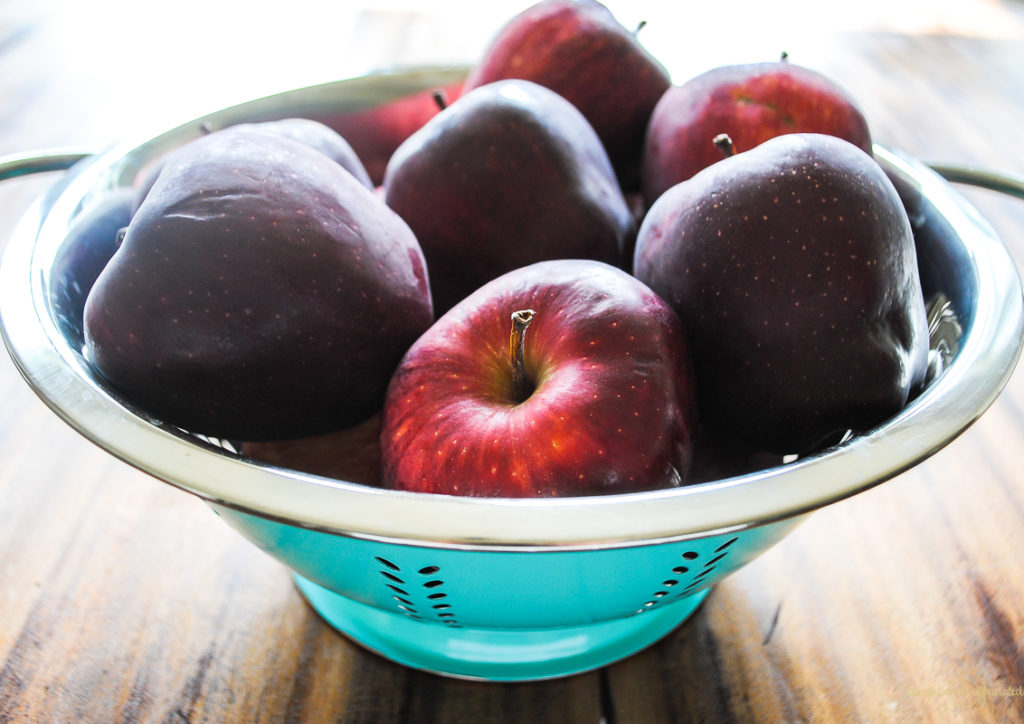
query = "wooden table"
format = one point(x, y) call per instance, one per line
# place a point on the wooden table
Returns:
point(122, 599)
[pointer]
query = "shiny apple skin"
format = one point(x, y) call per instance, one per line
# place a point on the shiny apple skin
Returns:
point(578, 49)
point(794, 271)
point(612, 407)
point(260, 293)
point(751, 103)
point(321, 137)
point(306, 131)
point(508, 175)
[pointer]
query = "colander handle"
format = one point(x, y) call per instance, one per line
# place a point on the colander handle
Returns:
point(25, 164)
point(1004, 183)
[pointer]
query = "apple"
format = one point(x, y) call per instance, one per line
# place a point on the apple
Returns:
point(508, 175)
point(578, 49)
point(260, 292)
point(751, 103)
point(304, 130)
point(321, 137)
point(793, 268)
point(565, 377)
point(375, 132)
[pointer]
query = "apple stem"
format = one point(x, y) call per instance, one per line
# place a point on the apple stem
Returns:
point(639, 27)
point(520, 382)
point(784, 57)
point(440, 99)
point(725, 144)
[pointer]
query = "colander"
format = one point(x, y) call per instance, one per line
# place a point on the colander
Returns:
point(500, 589)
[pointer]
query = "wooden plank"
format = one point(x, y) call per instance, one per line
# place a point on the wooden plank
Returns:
point(122, 599)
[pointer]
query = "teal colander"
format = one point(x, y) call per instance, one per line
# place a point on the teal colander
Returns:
point(497, 589)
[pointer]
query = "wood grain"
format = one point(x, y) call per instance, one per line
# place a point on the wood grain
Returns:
point(123, 600)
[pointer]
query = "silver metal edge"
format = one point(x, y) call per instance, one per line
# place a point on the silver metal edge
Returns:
point(949, 406)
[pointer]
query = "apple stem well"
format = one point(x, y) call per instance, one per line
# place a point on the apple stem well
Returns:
point(521, 386)
point(725, 144)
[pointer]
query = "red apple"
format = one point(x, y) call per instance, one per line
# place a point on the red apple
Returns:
point(594, 396)
point(751, 103)
point(374, 133)
point(578, 49)
point(260, 292)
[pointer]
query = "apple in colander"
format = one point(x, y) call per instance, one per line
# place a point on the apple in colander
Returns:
point(565, 377)
point(751, 102)
point(261, 292)
point(794, 270)
point(580, 50)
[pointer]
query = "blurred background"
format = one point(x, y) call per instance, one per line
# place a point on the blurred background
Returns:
point(118, 65)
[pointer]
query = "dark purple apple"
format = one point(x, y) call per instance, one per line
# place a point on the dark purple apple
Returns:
point(793, 268)
point(321, 137)
point(260, 292)
point(566, 377)
point(751, 103)
point(508, 175)
point(578, 49)
point(304, 130)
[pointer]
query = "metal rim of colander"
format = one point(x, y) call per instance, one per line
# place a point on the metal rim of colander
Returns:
point(945, 409)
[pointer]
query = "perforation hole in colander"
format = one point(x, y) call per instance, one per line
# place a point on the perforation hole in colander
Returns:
point(416, 594)
point(670, 587)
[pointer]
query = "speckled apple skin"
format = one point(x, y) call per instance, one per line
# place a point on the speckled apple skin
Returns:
point(578, 49)
point(304, 130)
point(261, 292)
point(508, 175)
point(321, 137)
point(612, 410)
point(749, 102)
point(793, 268)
